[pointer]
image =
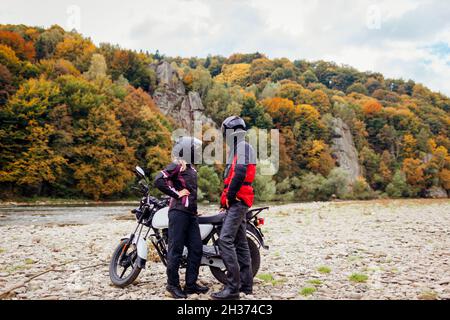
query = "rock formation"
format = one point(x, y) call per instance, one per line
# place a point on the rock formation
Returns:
point(344, 149)
point(172, 99)
point(436, 193)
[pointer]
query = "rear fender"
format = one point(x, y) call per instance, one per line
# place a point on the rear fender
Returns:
point(255, 234)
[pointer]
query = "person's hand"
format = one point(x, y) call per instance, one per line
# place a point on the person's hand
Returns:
point(183, 193)
point(227, 204)
point(222, 210)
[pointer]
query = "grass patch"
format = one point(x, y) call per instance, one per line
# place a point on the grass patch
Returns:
point(373, 269)
point(268, 278)
point(13, 269)
point(2, 250)
point(29, 261)
point(324, 269)
point(358, 278)
point(353, 258)
point(315, 282)
point(307, 291)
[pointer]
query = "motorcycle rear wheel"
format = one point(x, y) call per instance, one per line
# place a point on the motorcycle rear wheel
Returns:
point(221, 275)
point(117, 277)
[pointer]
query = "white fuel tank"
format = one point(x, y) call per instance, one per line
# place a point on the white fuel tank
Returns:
point(161, 221)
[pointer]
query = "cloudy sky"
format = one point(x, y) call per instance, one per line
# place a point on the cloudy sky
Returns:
point(401, 38)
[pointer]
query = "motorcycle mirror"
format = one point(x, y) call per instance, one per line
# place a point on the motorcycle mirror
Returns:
point(140, 171)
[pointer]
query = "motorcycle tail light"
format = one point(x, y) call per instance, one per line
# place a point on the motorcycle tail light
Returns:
point(260, 221)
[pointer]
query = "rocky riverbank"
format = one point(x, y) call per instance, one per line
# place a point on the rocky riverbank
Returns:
point(390, 249)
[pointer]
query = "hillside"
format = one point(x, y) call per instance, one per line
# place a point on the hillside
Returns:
point(76, 117)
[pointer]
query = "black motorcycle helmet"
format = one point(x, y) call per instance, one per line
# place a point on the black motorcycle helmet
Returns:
point(234, 123)
point(188, 149)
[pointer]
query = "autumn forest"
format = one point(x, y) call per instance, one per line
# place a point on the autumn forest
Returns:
point(75, 118)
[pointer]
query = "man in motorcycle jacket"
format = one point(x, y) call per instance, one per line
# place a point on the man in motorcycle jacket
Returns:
point(237, 198)
point(179, 181)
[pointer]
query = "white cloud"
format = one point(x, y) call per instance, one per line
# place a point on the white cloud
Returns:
point(337, 30)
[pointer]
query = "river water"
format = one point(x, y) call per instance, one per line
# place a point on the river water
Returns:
point(72, 214)
point(69, 214)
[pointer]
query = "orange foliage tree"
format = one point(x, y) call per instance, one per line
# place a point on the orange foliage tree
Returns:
point(23, 49)
point(319, 159)
point(372, 107)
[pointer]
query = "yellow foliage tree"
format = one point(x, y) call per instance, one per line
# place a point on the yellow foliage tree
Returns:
point(77, 50)
point(319, 158)
point(409, 146)
point(9, 59)
point(39, 164)
point(234, 73)
point(103, 161)
point(384, 171)
point(414, 172)
point(444, 176)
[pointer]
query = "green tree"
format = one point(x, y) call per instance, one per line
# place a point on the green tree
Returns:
point(98, 68)
point(265, 188)
point(254, 114)
point(398, 187)
point(47, 42)
point(309, 77)
point(222, 102)
point(337, 183)
point(357, 88)
point(209, 183)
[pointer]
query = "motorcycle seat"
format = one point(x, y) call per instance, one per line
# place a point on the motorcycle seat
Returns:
point(213, 219)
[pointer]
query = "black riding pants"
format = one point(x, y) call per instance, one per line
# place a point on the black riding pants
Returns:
point(183, 231)
point(234, 248)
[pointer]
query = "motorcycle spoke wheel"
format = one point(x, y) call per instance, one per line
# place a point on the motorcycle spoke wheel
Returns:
point(123, 268)
point(129, 261)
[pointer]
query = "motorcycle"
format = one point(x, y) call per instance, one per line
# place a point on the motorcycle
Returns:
point(130, 256)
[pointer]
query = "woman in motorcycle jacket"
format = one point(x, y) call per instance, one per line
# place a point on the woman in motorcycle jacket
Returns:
point(179, 181)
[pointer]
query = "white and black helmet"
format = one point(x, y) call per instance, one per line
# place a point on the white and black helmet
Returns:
point(233, 123)
point(188, 149)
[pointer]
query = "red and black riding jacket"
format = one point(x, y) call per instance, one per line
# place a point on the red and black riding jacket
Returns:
point(239, 176)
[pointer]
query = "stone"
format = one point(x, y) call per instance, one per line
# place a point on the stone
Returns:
point(343, 148)
point(172, 99)
point(437, 193)
point(168, 77)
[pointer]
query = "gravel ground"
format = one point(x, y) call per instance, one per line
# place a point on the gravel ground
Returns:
point(390, 249)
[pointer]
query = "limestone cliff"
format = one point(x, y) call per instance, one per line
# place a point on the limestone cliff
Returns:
point(344, 149)
point(173, 100)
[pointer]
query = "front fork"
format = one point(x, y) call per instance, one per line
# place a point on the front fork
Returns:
point(141, 246)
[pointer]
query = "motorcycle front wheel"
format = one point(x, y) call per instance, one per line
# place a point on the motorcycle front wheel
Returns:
point(123, 268)
point(221, 275)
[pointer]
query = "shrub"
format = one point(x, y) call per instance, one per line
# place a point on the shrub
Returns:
point(362, 190)
point(208, 184)
point(337, 183)
point(265, 188)
point(398, 187)
point(311, 187)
